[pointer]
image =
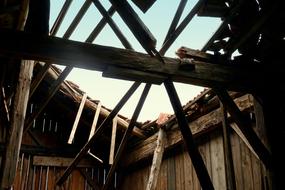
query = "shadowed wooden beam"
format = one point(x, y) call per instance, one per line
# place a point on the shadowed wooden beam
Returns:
point(245, 127)
point(96, 57)
point(18, 114)
point(197, 161)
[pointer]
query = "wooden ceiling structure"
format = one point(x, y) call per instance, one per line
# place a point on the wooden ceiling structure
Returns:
point(253, 28)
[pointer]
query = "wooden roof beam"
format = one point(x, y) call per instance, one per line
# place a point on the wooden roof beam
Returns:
point(96, 57)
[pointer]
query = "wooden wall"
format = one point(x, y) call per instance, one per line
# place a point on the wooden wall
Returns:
point(39, 177)
point(178, 173)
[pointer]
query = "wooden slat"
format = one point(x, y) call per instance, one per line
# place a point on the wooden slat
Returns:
point(157, 160)
point(77, 118)
point(10, 159)
point(95, 120)
point(95, 57)
point(113, 141)
point(60, 162)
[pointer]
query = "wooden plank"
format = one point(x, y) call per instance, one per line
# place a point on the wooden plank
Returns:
point(217, 162)
point(19, 107)
point(60, 162)
point(245, 127)
point(77, 118)
point(95, 57)
point(157, 160)
point(246, 167)
point(113, 141)
point(95, 120)
point(235, 141)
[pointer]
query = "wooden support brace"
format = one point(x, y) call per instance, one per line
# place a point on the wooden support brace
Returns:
point(18, 114)
point(198, 163)
point(77, 118)
point(113, 141)
point(245, 127)
point(95, 120)
point(157, 160)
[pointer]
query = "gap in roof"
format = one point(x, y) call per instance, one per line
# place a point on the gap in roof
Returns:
point(158, 18)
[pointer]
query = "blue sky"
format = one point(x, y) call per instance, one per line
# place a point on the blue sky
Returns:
point(157, 19)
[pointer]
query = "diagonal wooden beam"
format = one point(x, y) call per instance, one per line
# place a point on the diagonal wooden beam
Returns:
point(245, 126)
point(96, 57)
point(92, 182)
point(136, 25)
point(198, 163)
point(97, 133)
point(113, 141)
point(126, 136)
point(112, 24)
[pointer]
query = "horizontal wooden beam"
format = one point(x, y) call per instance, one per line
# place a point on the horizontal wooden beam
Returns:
point(60, 162)
point(200, 126)
point(96, 57)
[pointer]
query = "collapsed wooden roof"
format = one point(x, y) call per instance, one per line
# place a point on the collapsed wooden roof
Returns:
point(249, 27)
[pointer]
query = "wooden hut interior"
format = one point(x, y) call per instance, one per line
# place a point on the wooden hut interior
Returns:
point(54, 136)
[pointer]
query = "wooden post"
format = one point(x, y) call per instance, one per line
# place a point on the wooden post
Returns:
point(113, 141)
point(77, 118)
point(157, 160)
point(18, 114)
point(230, 173)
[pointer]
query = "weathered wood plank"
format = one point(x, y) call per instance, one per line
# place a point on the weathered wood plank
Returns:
point(77, 118)
point(95, 57)
point(157, 160)
point(113, 141)
point(60, 161)
point(18, 114)
point(95, 120)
